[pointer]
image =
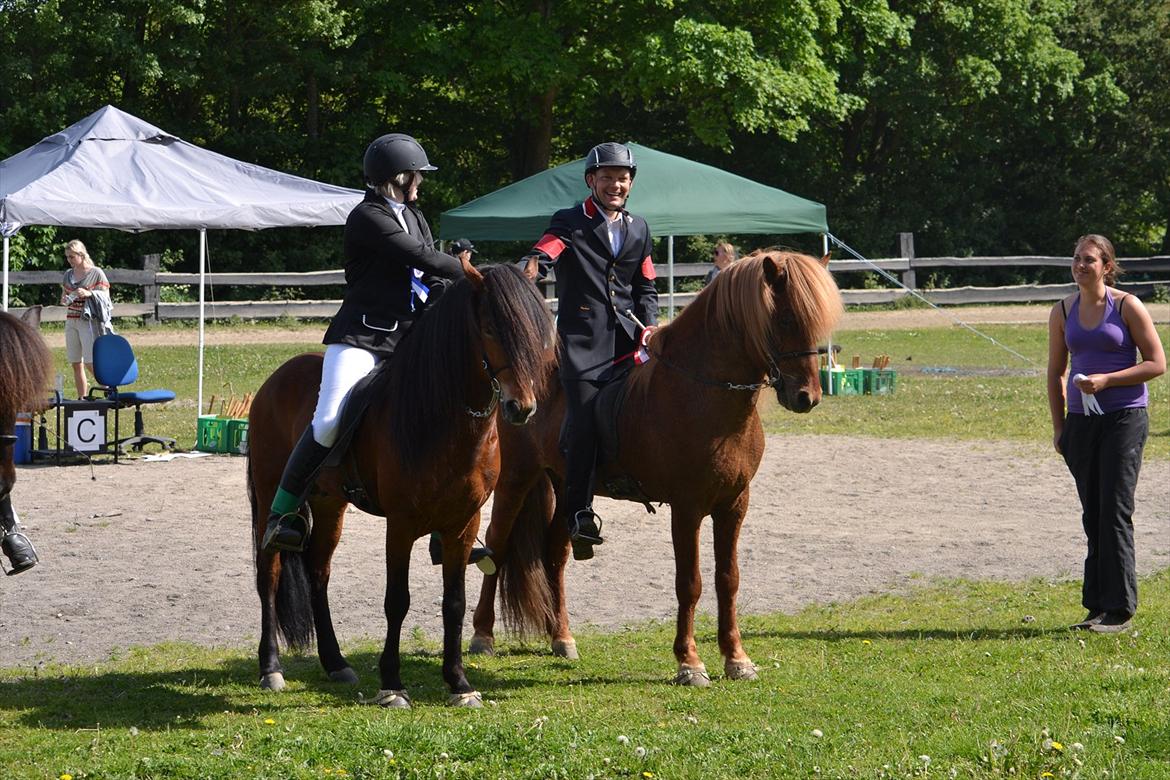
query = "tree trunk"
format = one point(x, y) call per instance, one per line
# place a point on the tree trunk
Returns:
point(533, 145)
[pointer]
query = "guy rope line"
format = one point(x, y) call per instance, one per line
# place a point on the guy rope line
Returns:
point(928, 302)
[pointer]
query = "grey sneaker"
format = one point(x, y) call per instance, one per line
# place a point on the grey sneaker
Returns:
point(1091, 619)
point(1113, 623)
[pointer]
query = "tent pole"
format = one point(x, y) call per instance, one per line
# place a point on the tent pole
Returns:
point(4, 307)
point(202, 280)
point(829, 373)
point(670, 275)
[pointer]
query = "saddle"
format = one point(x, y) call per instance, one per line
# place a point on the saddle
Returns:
point(353, 409)
point(607, 407)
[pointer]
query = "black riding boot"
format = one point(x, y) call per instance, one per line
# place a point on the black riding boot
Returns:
point(288, 527)
point(584, 533)
point(17, 547)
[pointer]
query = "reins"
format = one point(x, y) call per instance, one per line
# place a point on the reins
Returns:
point(774, 374)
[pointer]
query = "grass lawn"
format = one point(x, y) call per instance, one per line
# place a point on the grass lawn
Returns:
point(956, 679)
point(953, 680)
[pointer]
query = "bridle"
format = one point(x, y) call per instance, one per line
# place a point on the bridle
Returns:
point(496, 390)
point(775, 376)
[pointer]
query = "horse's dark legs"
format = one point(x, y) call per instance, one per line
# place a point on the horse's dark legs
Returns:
point(328, 517)
point(454, 611)
point(397, 602)
point(267, 579)
point(688, 586)
point(727, 522)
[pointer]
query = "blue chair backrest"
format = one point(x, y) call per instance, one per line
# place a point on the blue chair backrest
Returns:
point(114, 364)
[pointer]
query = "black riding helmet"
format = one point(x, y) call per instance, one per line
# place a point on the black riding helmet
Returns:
point(610, 154)
point(392, 154)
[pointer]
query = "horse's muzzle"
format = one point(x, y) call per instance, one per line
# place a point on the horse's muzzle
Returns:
point(516, 413)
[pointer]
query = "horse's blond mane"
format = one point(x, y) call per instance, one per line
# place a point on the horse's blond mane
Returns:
point(738, 303)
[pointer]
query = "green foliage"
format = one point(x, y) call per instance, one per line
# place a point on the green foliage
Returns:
point(953, 679)
point(983, 126)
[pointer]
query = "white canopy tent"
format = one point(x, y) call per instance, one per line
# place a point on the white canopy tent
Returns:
point(113, 170)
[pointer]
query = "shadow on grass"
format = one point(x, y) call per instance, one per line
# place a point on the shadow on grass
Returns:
point(148, 700)
point(912, 634)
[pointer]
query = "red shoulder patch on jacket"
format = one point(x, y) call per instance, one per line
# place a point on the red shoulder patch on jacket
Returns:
point(648, 269)
point(589, 207)
point(550, 245)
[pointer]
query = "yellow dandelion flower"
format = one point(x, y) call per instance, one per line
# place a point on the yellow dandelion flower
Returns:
point(647, 775)
point(1047, 774)
point(1057, 746)
point(66, 776)
point(866, 642)
point(269, 721)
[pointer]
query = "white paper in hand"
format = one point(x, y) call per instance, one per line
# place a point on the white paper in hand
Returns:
point(1089, 402)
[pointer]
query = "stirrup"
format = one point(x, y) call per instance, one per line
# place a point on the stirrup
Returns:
point(288, 532)
point(20, 551)
point(584, 533)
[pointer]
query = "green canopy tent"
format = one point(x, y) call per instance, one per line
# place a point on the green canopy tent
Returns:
point(677, 196)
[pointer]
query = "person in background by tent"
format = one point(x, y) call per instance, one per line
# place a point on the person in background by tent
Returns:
point(1115, 350)
point(723, 256)
point(607, 305)
point(391, 270)
point(86, 291)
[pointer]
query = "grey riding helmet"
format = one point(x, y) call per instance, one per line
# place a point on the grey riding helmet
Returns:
point(390, 155)
point(610, 154)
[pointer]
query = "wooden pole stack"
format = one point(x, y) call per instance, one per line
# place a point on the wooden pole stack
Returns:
point(232, 407)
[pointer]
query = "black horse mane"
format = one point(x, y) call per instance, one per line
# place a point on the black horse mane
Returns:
point(432, 366)
point(25, 365)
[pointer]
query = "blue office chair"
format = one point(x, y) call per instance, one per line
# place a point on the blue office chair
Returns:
point(114, 365)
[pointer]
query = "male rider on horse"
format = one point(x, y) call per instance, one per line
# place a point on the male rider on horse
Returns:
point(391, 269)
point(607, 306)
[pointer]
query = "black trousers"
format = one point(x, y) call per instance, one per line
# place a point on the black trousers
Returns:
point(1104, 455)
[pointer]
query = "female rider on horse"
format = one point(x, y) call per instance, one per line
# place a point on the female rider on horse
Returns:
point(391, 269)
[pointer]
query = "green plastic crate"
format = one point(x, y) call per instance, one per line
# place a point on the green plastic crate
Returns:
point(211, 434)
point(237, 436)
point(847, 382)
point(880, 381)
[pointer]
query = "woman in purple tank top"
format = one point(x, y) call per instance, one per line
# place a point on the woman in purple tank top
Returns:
point(1114, 350)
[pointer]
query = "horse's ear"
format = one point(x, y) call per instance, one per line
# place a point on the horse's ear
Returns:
point(32, 316)
point(775, 271)
point(825, 259)
point(473, 275)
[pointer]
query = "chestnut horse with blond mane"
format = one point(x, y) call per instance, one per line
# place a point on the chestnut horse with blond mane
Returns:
point(689, 435)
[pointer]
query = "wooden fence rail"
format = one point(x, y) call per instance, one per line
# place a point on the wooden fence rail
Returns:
point(150, 280)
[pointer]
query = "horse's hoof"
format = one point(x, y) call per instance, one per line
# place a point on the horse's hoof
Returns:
point(471, 699)
point(395, 700)
point(481, 645)
point(694, 676)
point(565, 648)
point(741, 670)
point(346, 675)
point(273, 681)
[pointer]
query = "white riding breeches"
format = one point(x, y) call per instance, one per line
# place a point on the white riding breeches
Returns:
point(344, 367)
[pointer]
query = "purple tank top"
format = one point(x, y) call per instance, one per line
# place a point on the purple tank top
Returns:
point(1102, 350)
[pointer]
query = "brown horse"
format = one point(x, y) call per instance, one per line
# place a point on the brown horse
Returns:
point(688, 435)
point(425, 454)
point(25, 364)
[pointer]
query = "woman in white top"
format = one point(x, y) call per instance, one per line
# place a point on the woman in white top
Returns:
point(83, 280)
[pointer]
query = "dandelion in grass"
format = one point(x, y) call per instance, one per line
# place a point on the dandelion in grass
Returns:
point(818, 733)
point(1047, 774)
point(269, 722)
point(647, 775)
point(640, 751)
point(1120, 740)
point(623, 739)
point(1077, 747)
point(65, 776)
point(866, 642)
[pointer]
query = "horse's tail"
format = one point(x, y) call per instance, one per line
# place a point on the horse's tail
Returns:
point(525, 592)
point(294, 606)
